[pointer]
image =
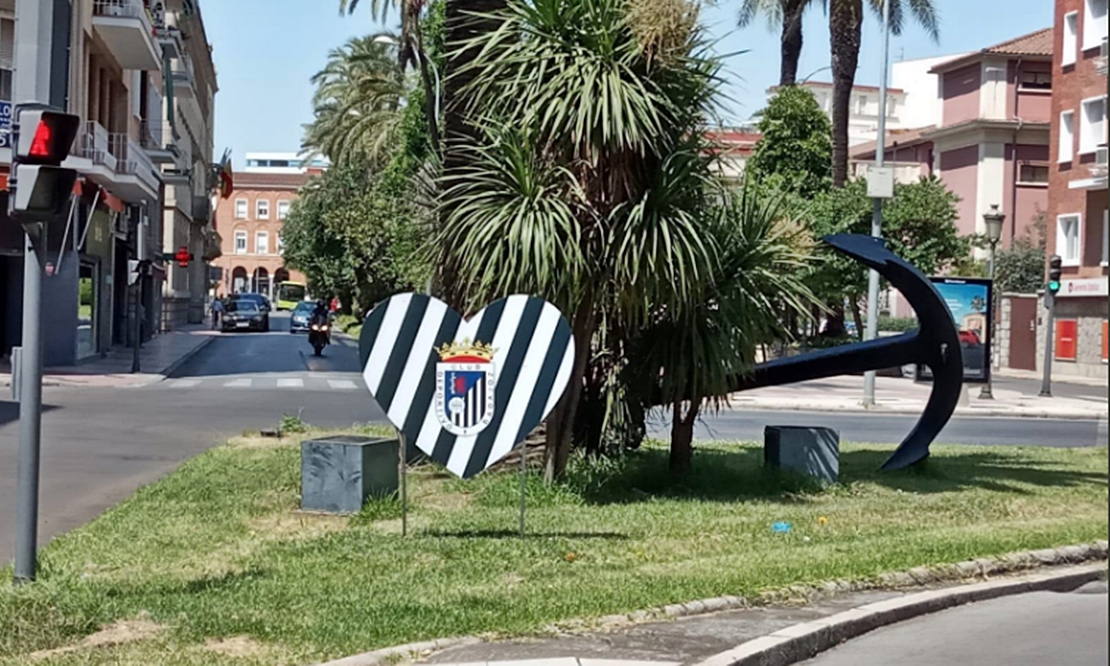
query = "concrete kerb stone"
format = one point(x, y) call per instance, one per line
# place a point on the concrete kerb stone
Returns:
point(780, 649)
point(184, 358)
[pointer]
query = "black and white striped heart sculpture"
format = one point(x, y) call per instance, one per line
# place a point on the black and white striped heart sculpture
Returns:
point(466, 392)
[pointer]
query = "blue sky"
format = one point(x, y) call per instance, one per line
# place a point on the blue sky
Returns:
point(265, 55)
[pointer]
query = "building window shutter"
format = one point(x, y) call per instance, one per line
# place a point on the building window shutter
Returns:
point(7, 44)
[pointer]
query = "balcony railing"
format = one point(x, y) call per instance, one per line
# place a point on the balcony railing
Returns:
point(1099, 167)
point(95, 145)
point(1100, 61)
point(181, 73)
point(123, 9)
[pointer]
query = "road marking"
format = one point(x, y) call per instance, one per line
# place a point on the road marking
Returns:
point(342, 384)
point(184, 383)
point(238, 383)
point(290, 383)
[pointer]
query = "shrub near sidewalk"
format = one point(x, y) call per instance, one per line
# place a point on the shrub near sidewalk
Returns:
point(213, 564)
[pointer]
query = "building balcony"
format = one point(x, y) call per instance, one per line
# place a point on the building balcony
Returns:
point(126, 28)
point(118, 163)
point(1097, 171)
point(1100, 61)
point(158, 140)
point(184, 81)
point(171, 41)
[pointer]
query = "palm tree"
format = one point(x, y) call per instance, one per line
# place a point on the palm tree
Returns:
point(357, 103)
point(845, 25)
point(589, 181)
point(693, 356)
point(411, 48)
point(786, 14)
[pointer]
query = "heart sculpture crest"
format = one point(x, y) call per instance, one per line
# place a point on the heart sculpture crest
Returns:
point(466, 392)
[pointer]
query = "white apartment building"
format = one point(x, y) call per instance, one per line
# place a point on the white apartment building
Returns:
point(258, 162)
point(139, 75)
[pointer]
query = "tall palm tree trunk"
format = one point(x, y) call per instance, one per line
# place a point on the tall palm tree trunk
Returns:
point(845, 23)
point(792, 11)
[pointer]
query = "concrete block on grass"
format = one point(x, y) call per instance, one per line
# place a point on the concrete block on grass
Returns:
point(339, 473)
point(813, 451)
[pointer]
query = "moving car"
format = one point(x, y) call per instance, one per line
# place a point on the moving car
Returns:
point(243, 314)
point(289, 294)
point(261, 301)
point(301, 316)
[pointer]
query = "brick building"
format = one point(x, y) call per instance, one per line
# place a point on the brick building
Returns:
point(1077, 187)
point(250, 223)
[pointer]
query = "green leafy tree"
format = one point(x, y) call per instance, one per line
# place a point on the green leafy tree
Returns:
point(796, 144)
point(919, 225)
point(1020, 267)
point(591, 178)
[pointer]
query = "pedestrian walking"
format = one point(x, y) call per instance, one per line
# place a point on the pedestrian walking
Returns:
point(217, 312)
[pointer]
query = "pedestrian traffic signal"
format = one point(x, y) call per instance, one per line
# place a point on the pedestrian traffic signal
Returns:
point(42, 138)
point(1054, 263)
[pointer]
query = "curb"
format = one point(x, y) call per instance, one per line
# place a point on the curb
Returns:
point(805, 640)
point(899, 411)
point(172, 367)
point(916, 577)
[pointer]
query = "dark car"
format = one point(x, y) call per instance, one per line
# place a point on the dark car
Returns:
point(244, 315)
point(261, 301)
point(301, 316)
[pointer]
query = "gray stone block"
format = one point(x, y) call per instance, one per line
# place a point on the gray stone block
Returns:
point(812, 451)
point(339, 473)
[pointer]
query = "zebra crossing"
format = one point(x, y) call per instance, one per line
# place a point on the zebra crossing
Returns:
point(264, 383)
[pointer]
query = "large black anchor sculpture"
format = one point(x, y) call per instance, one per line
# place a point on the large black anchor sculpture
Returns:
point(934, 344)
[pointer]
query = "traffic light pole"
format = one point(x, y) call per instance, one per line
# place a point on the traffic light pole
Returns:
point(1049, 332)
point(33, 42)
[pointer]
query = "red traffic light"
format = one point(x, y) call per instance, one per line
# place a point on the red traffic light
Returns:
point(183, 256)
point(45, 136)
point(41, 144)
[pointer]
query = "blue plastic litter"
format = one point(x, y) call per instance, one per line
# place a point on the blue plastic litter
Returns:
point(781, 527)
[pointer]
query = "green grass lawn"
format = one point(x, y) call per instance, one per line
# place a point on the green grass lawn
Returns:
point(215, 565)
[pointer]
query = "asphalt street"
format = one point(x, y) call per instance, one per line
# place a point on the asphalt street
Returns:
point(100, 445)
point(1031, 629)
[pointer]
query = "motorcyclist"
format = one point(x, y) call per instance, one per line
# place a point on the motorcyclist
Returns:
point(320, 314)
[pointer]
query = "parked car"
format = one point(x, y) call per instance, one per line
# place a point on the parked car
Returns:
point(243, 314)
point(301, 315)
point(260, 300)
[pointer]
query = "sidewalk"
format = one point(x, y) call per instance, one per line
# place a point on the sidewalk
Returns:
point(895, 395)
point(158, 357)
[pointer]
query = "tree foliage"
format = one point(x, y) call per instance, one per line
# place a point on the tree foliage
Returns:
point(796, 142)
point(1020, 268)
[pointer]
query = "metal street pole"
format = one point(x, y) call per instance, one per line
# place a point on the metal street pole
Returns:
point(987, 392)
point(877, 210)
point(34, 23)
point(1049, 331)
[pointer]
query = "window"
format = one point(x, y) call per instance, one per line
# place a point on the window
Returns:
point(262, 242)
point(1036, 81)
point(1094, 23)
point(240, 209)
point(1067, 238)
point(1092, 124)
point(1067, 136)
point(283, 210)
point(1071, 36)
point(240, 242)
point(280, 244)
point(1105, 238)
point(262, 209)
point(7, 57)
point(1033, 173)
point(861, 104)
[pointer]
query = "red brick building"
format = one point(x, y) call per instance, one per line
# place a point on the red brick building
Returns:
point(250, 224)
point(1077, 186)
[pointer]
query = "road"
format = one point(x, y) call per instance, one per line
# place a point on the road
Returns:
point(1035, 629)
point(99, 445)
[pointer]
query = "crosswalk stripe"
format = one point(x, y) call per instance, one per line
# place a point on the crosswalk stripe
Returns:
point(342, 384)
point(238, 383)
point(184, 383)
point(290, 383)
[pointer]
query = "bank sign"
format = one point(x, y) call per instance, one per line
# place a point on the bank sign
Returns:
point(1083, 287)
point(5, 124)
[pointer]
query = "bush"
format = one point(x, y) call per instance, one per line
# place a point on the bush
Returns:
point(897, 324)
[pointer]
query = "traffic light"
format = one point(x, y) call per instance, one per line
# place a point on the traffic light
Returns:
point(42, 139)
point(1054, 263)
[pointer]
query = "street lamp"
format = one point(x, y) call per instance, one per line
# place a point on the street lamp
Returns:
point(390, 39)
point(993, 220)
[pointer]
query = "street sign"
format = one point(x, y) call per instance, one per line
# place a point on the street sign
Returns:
point(5, 124)
point(466, 392)
point(880, 182)
point(1084, 287)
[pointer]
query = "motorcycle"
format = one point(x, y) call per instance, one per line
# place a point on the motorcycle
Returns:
point(318, 336)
